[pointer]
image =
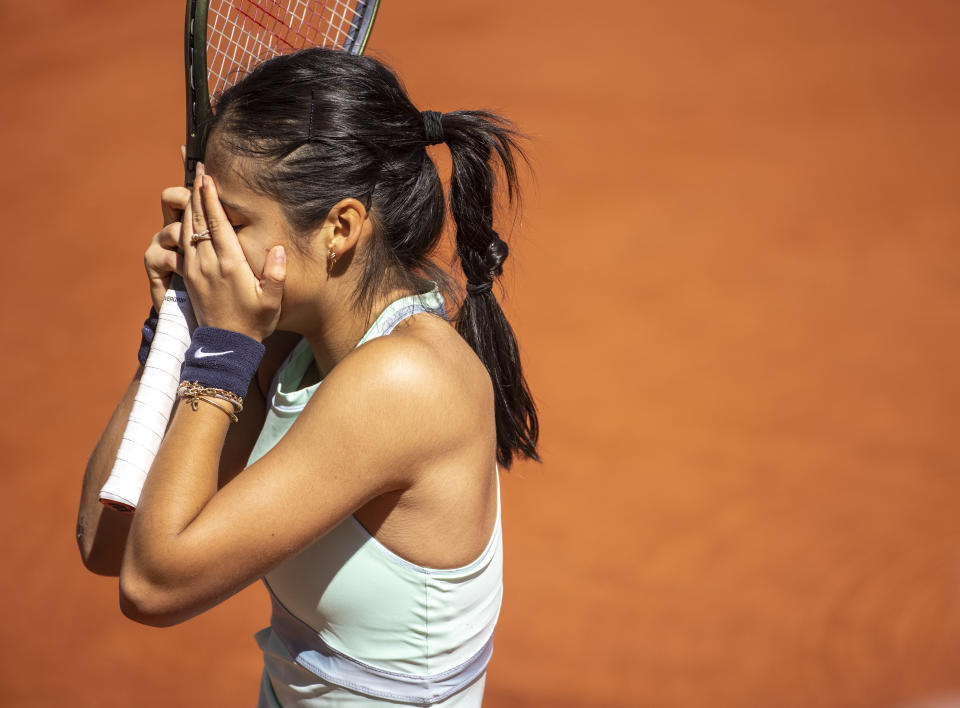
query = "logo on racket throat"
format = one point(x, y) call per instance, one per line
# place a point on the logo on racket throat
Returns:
point(200, 354)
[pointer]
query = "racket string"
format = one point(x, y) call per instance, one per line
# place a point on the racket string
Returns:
point(244, 33)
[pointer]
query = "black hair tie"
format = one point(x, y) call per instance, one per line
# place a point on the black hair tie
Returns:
point(433, 127)
point(479, 288)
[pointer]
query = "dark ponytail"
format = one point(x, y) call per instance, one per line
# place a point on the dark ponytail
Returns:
point(324, 126)
point(474, 137)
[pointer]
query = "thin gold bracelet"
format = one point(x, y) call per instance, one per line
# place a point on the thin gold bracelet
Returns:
point(188, 389)
point(196, 399)
point(195, 392)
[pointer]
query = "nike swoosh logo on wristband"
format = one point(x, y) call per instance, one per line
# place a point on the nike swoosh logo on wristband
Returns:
point(200, 354)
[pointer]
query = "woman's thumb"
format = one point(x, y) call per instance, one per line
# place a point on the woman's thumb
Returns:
point(274, 272)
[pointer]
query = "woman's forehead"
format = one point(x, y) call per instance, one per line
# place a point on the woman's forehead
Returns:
point(229, 172)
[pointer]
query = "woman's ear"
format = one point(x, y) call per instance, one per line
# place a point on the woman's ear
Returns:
point(346, 224)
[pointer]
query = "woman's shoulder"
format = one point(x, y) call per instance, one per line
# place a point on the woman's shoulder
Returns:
point(425, 351)
point(423, 369)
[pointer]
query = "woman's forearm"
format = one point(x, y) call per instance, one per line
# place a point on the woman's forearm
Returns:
point(101, 531)
point(160, 562)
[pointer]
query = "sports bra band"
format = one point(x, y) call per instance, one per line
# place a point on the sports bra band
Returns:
point(312, 653)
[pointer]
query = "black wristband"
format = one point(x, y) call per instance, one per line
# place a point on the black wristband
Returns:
point(219, 358)
point(146, 335)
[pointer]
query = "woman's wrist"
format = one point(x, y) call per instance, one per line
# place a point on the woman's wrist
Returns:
point(222, 359)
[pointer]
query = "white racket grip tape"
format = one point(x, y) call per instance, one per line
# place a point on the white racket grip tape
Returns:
point(152, 404)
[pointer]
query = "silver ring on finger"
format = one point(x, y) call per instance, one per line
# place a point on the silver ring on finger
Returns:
point(202, 236)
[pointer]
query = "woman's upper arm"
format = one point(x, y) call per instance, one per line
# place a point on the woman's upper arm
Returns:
point(353, 442)
point(362, 434)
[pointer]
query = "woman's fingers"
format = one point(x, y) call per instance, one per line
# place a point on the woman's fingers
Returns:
point(274, 275)
point(161, 260)
point(198, 220)
point(186, 232)
point(224, 238)
point(162, 251)
point(169, 236)
point(217, 247)
point(173, 200)
point(161, 263)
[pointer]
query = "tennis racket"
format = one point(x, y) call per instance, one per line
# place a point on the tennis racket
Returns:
point(223, 41)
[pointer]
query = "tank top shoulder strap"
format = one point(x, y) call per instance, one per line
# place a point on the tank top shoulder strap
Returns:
point(286, 394)
point(401, 309)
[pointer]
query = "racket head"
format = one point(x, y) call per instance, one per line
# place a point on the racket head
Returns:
point(240, 34)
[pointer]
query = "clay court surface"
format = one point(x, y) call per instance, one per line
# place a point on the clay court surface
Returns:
point(737, 290)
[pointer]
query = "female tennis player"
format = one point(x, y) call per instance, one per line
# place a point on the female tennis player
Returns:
point(335, 435)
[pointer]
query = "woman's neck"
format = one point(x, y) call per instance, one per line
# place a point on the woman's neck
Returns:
point(339, 327)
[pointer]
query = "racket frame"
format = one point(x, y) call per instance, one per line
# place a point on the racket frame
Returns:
point(361, 32)
point(199, 111)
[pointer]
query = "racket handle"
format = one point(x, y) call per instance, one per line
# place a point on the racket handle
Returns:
point(153, 402)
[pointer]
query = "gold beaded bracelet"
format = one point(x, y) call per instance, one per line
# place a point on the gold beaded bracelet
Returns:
point(196, 393)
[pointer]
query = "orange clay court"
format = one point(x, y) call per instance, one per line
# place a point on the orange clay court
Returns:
point(736, 286)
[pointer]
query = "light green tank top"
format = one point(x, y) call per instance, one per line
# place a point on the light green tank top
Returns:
point(356, 624)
